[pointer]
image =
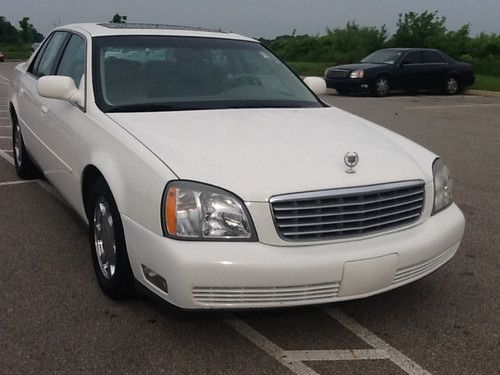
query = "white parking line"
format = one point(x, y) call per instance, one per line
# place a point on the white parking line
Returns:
point(6, 156)
point(269, 347)
point(43, 184)
point(17, 182)
point(336, 355)
point(396, 357)
point(293, 359)
point(451, 106)
point(5, 78)
point(5, 126)
point(5, 137)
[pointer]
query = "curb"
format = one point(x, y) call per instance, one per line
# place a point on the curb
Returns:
point(491, 94)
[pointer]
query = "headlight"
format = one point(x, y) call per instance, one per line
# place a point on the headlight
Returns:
point(196, 211)
point(442, 186)
point(357, 74)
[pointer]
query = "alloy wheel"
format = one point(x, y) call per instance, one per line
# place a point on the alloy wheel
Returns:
point(18, 145)
point(104, 238)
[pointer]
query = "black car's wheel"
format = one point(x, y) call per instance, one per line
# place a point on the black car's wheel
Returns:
point(381, 86)
point(452, 86)
point(107, 243)
point(341, 92)
point(25, 168)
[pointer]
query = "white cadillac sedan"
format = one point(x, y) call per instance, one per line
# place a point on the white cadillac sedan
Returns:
point(211, 174)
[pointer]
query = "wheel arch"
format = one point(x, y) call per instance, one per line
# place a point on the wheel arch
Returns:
point(94, 171)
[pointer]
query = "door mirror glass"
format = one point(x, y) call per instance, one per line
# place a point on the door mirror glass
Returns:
point(59, 87)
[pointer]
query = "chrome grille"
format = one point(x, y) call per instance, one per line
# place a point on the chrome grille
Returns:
point(341, 213)
point(337, 73)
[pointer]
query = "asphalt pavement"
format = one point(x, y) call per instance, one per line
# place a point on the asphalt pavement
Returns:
point(54, 318)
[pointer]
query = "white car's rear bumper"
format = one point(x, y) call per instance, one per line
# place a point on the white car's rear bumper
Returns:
point(245, 275)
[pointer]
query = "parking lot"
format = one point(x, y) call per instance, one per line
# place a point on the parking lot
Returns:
point(54, 318)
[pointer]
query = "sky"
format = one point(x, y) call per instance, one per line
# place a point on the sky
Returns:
point(254, 18)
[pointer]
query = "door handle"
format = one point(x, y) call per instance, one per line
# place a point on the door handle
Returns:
point(44, 110)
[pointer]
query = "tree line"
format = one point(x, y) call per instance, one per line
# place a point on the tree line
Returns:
point(427, 30)
point(25, 34)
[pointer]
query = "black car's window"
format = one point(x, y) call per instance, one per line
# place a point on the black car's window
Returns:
point(383, 56)
point(73, 60)
point(432, 57)
point(49, 57)
point(413, 58)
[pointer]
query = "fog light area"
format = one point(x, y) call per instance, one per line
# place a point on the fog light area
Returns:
point(154, 278)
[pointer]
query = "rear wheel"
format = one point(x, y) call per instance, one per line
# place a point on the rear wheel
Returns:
point(107, 243)
point(25, 168)
point(452, 86)
point(381, 86)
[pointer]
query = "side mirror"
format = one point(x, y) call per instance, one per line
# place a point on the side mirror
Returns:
point(60, 87)
point(316, 84)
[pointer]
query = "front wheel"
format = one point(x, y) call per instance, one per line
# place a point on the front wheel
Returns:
point(107, 243)
point(381, 86)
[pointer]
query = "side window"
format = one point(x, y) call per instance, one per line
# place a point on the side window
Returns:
point(49, 56)
point(73, 60)
point(413, 58)
point(37, 58)
point(432, 57)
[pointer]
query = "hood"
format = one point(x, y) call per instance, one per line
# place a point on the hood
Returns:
point(357, 66)
point(258, 153)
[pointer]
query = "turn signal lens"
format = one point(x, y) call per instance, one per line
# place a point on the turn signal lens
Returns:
point(170, 209)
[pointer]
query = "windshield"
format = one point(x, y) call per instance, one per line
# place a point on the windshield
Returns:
point(384, 56)
point(161, 73)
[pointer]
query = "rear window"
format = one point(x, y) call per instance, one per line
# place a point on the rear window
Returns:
point(432, 57)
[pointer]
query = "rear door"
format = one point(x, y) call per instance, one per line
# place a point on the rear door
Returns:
point(32, 106)
point(435, 69)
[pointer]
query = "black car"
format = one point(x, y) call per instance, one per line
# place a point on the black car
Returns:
point(409, 69)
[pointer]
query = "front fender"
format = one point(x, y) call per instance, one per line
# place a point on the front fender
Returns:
point(136, 177)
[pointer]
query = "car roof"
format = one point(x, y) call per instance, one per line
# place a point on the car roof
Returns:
point(405, 49)
point(112, 29)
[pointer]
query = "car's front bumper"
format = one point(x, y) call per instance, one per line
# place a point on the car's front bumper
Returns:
point(347, 84)
point(247, 275)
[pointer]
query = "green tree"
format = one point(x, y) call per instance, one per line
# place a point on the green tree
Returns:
point(28, 33)
point(8, 33)
point(119, 19)
point(419, 29)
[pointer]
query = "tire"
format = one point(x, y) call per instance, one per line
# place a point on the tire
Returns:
point(25, 167)
point(341, 92)
point(107, 243)
point(452, 86)
point(381, 86)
